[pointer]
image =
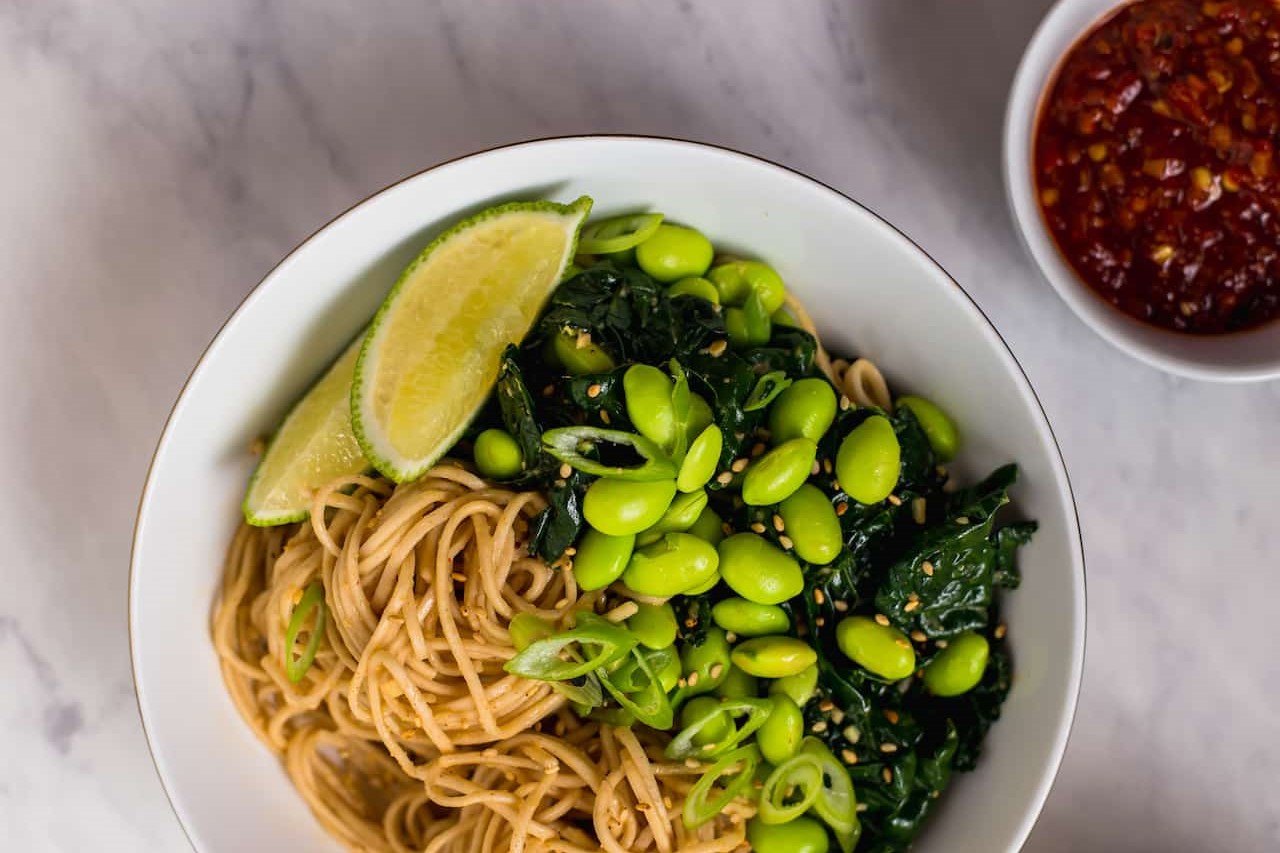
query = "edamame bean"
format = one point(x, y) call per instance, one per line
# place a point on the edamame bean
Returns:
point(779, 738)
point(784, 317)
point(619, 507)
point(700, 416)
point(709, 527)
point(647, 393)
point(654, 625)
point(735, 326)
point(716, 729)
point(959, 667)
point(759, 571)
point(695, 286)
point(669, 675)
point(526, 629)
point(775, 476)
point(680, 516)
point(738, 685)
point(759, 327)
point(812, 525)
point(674, 252)
point(805, 409)
point(748, 619)
point(938, 428)
point(880, 649)
point(802, 835)
point(737, 280)
point(707, 665)
point(675, 563)
point(799, 688)
point(578, 356)
point(773, 657)
point(601, 558)
point(869, 461)
point(699, 464)
point(497, 455)
point(704, 587)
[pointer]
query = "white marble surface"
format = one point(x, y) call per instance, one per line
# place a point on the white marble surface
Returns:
point(157, 158)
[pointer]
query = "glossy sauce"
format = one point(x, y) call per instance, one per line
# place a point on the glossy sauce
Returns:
point(1155, 162)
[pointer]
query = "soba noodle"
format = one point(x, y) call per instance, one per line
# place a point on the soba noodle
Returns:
point(405, 734)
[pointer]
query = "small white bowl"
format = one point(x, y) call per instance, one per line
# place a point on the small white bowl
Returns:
point(873, 292)
point(1247, 356)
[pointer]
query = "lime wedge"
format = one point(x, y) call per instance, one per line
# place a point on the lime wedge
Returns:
point(314, 446)
point(431, 356)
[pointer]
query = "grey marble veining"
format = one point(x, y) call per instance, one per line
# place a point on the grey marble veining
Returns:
point(158, 157)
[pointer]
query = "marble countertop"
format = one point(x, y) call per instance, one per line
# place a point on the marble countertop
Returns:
point(159, 157)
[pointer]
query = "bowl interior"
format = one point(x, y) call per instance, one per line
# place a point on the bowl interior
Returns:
point(872, 292)
point(1242, 356)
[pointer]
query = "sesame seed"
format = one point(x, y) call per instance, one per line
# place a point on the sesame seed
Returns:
point(819, 727)
point(548, 391)
point(818, 597)
point(566, 471)
point(683, 683)
point(820, 621)
point(730, 637)
point(862, 807)
point(1000, 631)
point(739, 465)
point(837, 716)
point(891, 715)
point(882, 619)
point(927, 568)
point(815, 468)
point(918, 508)
point(895, 500)
point(826, 465)
point(845, 403)
point(849, 756)
point(888, 747)
point(757, 448)
point(942, 644)
point(691, 622)
point(459, 577)
point(757, 527)
point(570, 551)
point(726, 529)
point(911, 596)
point(692, 763)
point(717, 348)
point(593, 390)
point(693, 679)
point(852, 734)
point(724, 478)
point(778, 524)
point(887, 775)
point(707, 747)
point(901, 643)
point(604, 416)
point(785, 542)
point(964, 519)
point(910, 606)
point(826, 705)
point(716, 670)
point(919, 636)
point(842, 606)
point(842, 507)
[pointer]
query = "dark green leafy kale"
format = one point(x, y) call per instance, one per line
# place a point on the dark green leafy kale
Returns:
point(1008, 539)
point(515, 405)
point(560, 523)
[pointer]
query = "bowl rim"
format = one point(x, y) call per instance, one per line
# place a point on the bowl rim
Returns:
point(1079, 642)
point(1036, 72)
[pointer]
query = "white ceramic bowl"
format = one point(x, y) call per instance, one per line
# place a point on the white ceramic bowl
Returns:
point(1239, 357)
point(873, 292)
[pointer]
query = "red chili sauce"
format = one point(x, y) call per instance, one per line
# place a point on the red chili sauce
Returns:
point(1155, 166)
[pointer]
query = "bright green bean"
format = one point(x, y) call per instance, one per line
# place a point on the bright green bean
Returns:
point(682, 514)
point(773, 657)
point(759, 571)
point(759, 327)
point(619, 507)
point(497, 455)
point(941, 431)
point(674, 252)
point(959, 667)
point(700, 416)
point(779, 737)
point(776, 475)
point(709, 527)
point(716, 724)
point(669, 674)
point(804, 410)
point(880, 649)
point(580, 357)
point(869, 461)
point(706, 586)
point(802, 835)
point(700, 662)
point(647, 393)
point(810, 521)
point(695, 286)
point(735, 326)
point(654, 625)
point(799, 688)
point(699, 464)
point(738, 684)
point(737, 280)
point(784, 317)
point(672, 565)
point(748, 619)
point(601, 558)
